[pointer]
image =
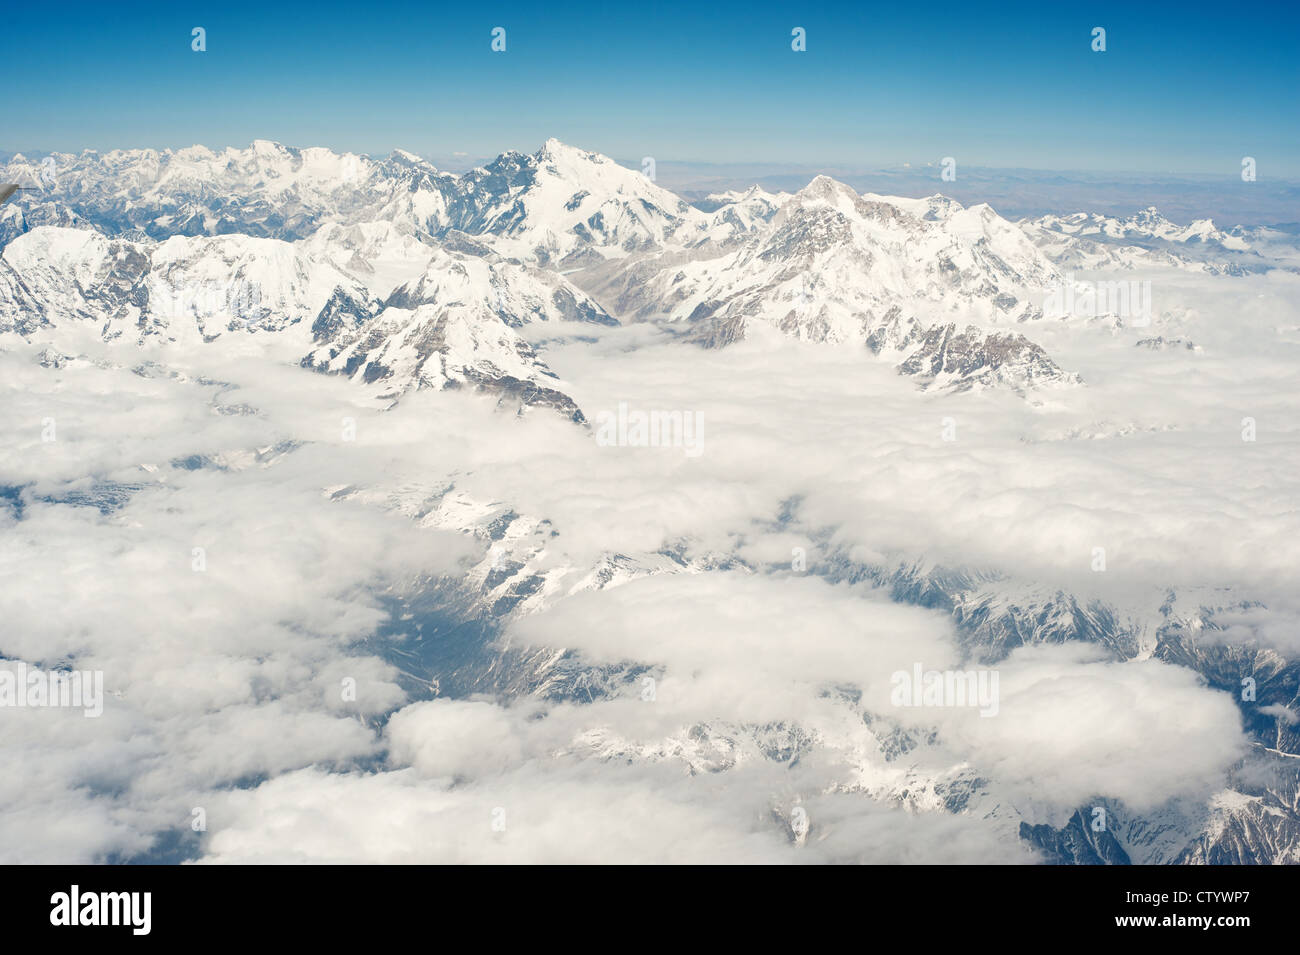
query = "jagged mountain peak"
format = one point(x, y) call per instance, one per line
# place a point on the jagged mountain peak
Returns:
point(893, 274)
point(823, 188)
point(822, 264)
point(269, 147)
point(410, 158)
point(562, 206)
point(553, 150)
point(452, 326)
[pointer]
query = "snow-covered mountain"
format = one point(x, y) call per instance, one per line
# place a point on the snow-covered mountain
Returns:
point(453, 326)
point(1257, 819)
point(266, 190)
point(905, 278)
point(559, 206)
point(1147, 224)
point(198, 243)
point(564, 207)
point(1147, 240)
point(181, 290)
point(265, 238)
point(188, 291)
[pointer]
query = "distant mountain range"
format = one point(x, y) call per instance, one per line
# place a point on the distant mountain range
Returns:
point(374, 267)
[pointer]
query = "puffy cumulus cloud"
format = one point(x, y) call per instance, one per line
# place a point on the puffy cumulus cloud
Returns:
point(560, 817)
point(1275, 627)
point(455, 738)
point(1072, 725)
point(61, 765)
point(563, 813)
point(607, 781)
point(742, 647)
point(747, 667)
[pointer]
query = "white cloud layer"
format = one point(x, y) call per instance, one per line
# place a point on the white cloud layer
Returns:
point(771, 689)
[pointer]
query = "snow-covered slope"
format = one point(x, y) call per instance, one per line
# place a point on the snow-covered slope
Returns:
point(907, 278)
point(1147, 224)
point(453, 326)
point(204, 243)
point(264, 190)
point(182, 290)
point(186, 291)
point(914, 280)
point(565, 207)
point(1142, 241)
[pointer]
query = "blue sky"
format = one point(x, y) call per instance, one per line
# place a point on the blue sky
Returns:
point(1181, 88)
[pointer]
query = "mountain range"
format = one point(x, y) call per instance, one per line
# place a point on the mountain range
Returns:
point(192, 245)
point(402, 278)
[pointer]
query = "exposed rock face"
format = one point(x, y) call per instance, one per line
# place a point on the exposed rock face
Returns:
point(1077, 843)
point(960, 360)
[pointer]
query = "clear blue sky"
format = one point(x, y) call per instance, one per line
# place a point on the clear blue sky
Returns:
point(1182, 87)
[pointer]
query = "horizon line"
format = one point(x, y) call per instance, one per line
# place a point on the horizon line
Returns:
point(773, 167)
